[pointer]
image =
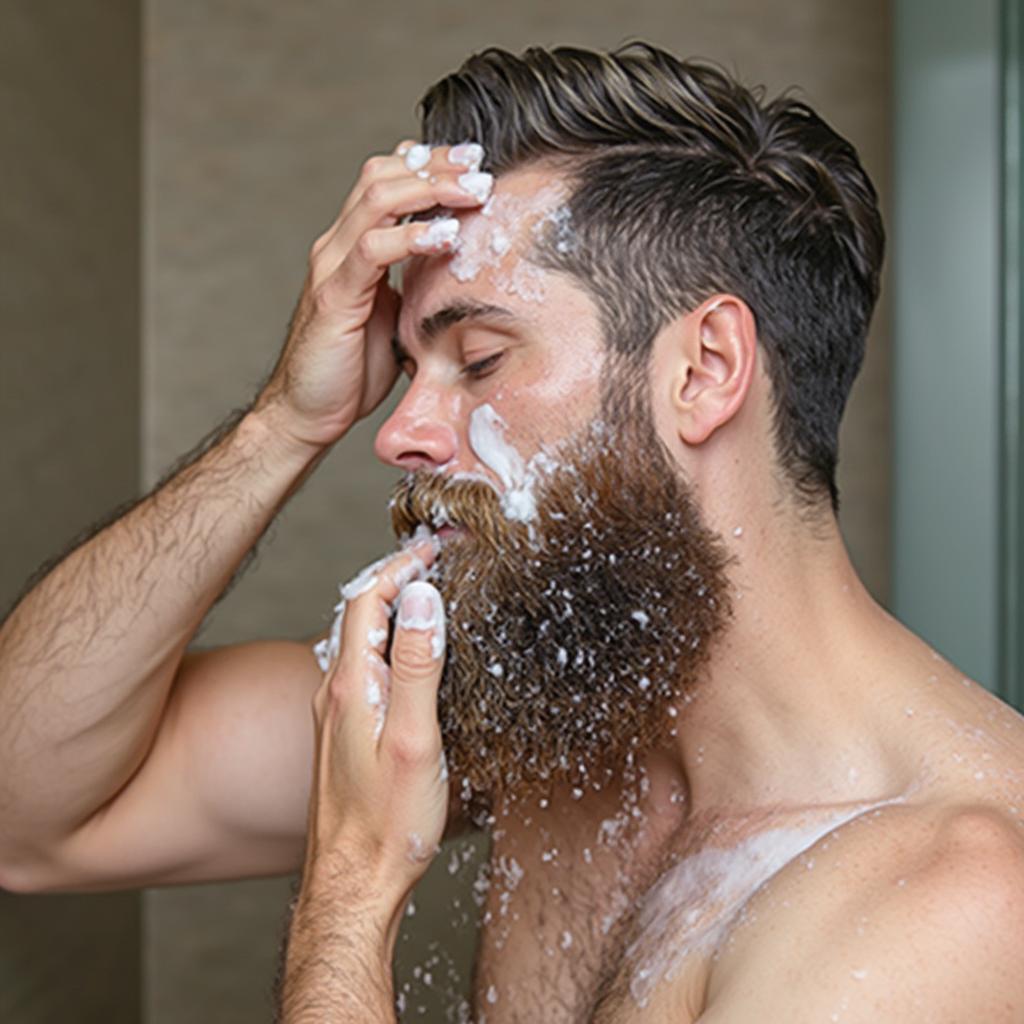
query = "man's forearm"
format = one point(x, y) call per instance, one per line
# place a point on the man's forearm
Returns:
point(88, 656)
point(337, 963)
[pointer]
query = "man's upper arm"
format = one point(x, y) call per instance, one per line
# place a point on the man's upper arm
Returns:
point(939, 941)
point(224, 791)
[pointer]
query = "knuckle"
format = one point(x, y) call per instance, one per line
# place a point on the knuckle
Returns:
point(318, 246)
point(412, 750)
point(372, 167)
point(339, 689)
point(366, 249)
point(321, 302)
point(376, 195)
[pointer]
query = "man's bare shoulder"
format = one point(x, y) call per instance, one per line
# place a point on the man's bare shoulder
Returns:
point(905, 911)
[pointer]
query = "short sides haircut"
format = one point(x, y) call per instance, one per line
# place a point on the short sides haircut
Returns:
point(685, 183)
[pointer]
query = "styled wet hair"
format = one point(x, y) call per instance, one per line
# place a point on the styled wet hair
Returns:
point(685, 183)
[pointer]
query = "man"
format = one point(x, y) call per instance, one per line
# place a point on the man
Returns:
point(721, 782)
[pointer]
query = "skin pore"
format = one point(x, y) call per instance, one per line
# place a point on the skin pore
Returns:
point(816, 705)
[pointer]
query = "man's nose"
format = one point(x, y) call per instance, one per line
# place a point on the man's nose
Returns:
point(419, 434)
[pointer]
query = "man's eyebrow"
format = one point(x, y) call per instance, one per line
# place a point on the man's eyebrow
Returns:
point(447, 316)
point(454, 313)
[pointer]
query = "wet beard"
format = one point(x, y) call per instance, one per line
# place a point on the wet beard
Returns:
point(571, 639)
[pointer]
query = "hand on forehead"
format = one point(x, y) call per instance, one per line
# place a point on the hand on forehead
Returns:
point(494, 243)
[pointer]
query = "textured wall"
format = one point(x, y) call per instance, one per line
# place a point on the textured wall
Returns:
point(69, 291)
point(258, 116)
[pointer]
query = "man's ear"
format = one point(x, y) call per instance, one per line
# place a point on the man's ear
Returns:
point(716, 352)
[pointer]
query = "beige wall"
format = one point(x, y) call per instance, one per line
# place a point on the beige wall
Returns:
point(69, 299)
point(257, 118)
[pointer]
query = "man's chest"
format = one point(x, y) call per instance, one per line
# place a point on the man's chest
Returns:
point(569, 970)
point(625, 941)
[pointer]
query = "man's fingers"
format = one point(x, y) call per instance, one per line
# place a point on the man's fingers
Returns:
point(384, 246)
point(413, 158)
point(360, 682)
point(386, 201)
point(374, 168)
point(411, 733)
point(355, 283)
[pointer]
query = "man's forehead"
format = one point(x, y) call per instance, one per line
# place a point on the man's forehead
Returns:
point(494, 247)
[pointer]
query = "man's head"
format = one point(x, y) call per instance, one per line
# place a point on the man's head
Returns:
point(634, 194)
point(682, 184)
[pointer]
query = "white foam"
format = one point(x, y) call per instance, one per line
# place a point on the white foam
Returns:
point(442, 232)
point(375, 637)
point(322, 653)
point(477, 183)
point(487, 437)
point(417, 848)
point(364, 581)
point(518, 478)
point(467, 154)
point(328, 649)
point(673, 925)
point(417, 157)
point(433, 622)
point(487, 238)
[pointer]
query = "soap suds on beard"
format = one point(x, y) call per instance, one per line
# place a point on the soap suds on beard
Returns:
point(486, 239)
point(583, 683)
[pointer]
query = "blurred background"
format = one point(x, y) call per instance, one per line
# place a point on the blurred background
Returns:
point(165, 165)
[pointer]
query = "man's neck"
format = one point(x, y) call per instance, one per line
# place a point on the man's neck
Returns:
point(797, 706)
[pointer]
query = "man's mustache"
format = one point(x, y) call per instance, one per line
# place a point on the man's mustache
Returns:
point(433, 500)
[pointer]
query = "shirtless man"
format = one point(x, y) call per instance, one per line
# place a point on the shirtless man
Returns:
point(722, 782)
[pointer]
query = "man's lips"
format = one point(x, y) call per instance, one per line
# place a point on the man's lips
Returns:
point(448, 530)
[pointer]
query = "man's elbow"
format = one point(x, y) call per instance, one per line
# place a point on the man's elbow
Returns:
point(22, 879)
point(30, 872)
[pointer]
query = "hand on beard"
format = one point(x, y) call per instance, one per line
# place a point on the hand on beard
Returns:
point(380, 795)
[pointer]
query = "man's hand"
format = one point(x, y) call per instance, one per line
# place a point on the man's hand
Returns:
point(379, 801)
point(337, 364)
point(100, 713)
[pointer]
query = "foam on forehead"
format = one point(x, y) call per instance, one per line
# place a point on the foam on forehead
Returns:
point(498, 238)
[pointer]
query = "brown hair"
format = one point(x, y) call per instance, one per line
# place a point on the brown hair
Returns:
point(685, 183)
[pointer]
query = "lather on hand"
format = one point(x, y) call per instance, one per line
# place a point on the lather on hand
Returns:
point(379, 800)
point(337, 364)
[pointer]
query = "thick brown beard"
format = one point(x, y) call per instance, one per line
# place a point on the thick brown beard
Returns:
point(573, 639)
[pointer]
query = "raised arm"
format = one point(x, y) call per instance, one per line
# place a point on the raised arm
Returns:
point(121, 759)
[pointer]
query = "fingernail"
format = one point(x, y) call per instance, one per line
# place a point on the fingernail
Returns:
point(477, 183)
point(467, 154)
point(443, 232)
point(419, 606)
point(424, 535)
point(417, 157)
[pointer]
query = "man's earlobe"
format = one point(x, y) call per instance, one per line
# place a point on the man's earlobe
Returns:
point(719, 353)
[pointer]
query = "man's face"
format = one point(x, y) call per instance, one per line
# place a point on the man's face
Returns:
point(582, 587)
point(487, 327)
